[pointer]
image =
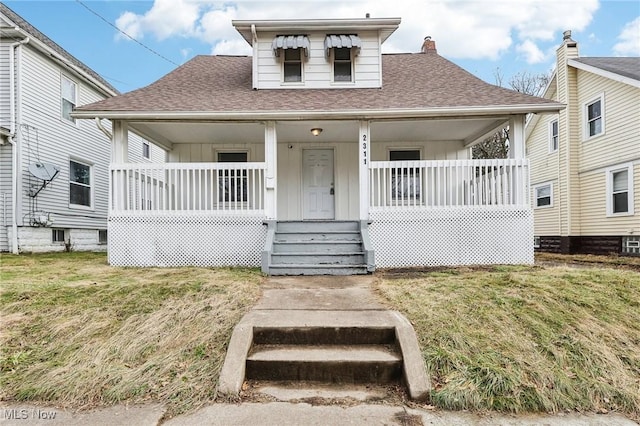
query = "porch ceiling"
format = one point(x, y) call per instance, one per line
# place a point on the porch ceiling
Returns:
point(460, 129)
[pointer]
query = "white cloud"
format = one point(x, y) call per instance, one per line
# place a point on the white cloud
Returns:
point(129, 23)
point(462, 29)
point(166, 18)
point(533, 55)
point(629, 40)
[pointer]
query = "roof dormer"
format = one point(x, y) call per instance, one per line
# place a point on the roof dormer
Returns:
point(318, 53)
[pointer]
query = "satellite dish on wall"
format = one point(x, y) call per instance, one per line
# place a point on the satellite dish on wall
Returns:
point(44, 171)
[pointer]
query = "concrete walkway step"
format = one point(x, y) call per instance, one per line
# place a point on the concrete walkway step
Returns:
point(319, 335)
point(324, 393)
point(329, 364)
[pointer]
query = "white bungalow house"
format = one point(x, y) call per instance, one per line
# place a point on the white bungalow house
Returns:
point(319, 154)
point(585, 161)
point(53, 167)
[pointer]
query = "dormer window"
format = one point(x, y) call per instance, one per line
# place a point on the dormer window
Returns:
point(292, 66)
point(341, 49)
point(291, 49)
point(342, 64)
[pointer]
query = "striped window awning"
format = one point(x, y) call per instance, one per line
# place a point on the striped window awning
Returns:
point(341, 40)
point(282, 42)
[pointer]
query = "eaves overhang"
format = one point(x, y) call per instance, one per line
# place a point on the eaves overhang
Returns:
point(386, 26)
point(359, 114)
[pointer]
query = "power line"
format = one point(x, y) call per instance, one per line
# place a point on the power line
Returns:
point(125, 34)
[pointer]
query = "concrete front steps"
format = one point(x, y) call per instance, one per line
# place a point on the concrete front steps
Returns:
point(317, 248)
point(344, 355)
point(353, 349)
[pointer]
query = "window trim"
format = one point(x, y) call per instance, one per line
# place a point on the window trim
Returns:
point(284, 61)
point(91, 184)
point(104, 241)
point(585, 118)
point(55, 232)
point(551, 136)
point(76, 93)
point(536, 198)
point(630, 190)
point(333, 66)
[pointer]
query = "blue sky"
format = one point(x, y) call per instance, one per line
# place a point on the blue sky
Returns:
point(482, 36)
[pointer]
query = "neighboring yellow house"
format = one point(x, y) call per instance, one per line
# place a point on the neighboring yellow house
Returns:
point(585, 161)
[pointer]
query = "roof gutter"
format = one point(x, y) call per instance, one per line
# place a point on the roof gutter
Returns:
point(378, 114)
point(15, 146)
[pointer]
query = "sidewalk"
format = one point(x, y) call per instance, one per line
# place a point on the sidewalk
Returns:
point(284, 413)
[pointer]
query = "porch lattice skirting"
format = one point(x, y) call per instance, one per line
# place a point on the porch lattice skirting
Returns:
point(172, 241)
point(444, 237)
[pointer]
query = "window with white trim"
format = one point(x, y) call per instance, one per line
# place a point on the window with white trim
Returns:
point(292, 65)
point(232, 183)
point(69, 95)
point(594, 117)
point(80, 189)
point(405, 181)
point(145, 150)
point(543, 195)
point(620, 190)
point(342, 65)
point(553, 136)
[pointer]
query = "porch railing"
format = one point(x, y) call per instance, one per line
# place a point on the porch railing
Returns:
point(186, 187)
point(442, 184)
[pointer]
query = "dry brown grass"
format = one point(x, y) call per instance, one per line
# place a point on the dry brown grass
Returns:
point(81, 333)
point(526, 338)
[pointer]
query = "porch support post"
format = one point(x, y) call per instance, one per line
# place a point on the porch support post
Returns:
point(120, 142)
point(364, 155)
point(516, 137)
point(517, 151)
point(271, 172)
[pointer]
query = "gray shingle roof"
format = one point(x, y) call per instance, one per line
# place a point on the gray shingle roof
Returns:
point(625, 66)
point(34, 32)
point(223, 84)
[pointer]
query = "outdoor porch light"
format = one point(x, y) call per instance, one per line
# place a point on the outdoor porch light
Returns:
point(316, 131)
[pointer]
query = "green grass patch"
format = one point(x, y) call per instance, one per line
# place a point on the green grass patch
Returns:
point(76, 332)
point(520, 339)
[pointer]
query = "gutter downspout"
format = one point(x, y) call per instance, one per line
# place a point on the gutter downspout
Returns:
point(254, 44)
point(103, 130)
point(15, 147)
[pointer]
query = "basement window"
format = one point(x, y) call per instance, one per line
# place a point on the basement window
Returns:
point(57, 235)
point(102, 236)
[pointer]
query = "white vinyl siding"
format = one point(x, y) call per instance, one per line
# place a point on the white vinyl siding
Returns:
point(317, 69)
point(50, 139)
point(5, 113)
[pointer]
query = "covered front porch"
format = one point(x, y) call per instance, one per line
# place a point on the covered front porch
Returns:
point(410, 185)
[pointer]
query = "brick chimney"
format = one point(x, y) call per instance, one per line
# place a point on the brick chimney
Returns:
point(428, 45)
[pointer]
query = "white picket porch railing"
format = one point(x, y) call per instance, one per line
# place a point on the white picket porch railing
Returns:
point(188, 188)
point(448, 184)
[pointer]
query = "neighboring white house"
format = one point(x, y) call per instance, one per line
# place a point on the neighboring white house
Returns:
point(53, 167)
point(585, 161)
point(319, 154)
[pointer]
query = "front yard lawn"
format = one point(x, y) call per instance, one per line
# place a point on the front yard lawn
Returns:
point(517, 339)
point(76, 332)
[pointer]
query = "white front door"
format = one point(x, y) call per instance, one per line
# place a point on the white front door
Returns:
point(317, 184)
